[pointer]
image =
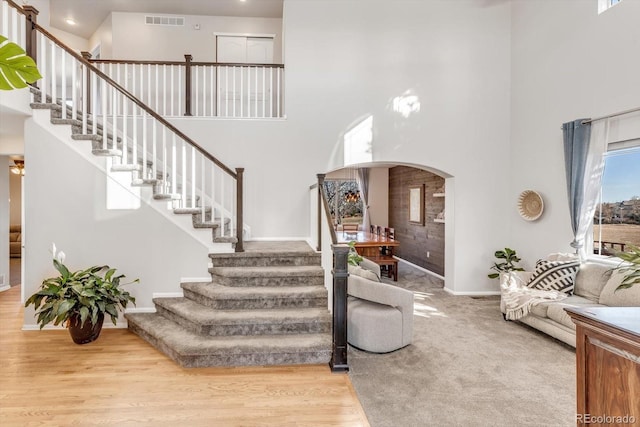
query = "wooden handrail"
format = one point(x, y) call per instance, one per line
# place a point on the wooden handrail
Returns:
point(199, 63)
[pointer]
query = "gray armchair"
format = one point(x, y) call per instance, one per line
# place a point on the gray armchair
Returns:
point(379, 316)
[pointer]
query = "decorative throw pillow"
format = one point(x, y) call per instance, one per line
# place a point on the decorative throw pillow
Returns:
point(614, 297)
point(555, 276)
point(363, 272)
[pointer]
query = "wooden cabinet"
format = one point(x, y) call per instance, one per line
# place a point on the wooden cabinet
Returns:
point(608, 365)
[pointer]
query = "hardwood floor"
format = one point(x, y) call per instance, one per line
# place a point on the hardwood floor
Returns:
point(119, 380)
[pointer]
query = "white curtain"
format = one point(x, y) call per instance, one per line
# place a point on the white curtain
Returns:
point(593, 179)
point(363, 184)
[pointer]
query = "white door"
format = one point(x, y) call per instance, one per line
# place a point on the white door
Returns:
point(244, 91)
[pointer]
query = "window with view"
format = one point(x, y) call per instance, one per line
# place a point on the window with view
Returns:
point(617, 218)
point(345, 203)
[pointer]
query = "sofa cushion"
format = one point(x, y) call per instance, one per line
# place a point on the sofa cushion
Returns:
point(629, 297)
point(555, 276)
point(591, 279)
point(356, 270)
point(556, 312)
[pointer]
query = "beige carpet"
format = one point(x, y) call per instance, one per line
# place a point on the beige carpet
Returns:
point(466, 367)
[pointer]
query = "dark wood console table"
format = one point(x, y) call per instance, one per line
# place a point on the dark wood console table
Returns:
point(608, 365)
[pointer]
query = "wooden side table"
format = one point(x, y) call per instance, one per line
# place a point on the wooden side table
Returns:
point(607, 365)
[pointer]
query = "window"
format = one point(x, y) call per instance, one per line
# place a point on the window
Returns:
point(345, 203)
point(617, 217)
point(606, 4)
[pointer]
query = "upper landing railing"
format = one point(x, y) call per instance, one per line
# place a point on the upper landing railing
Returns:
point(201, 89)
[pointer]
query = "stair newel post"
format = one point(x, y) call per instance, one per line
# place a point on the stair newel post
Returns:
point(340, 277)
point(239, 208)
point(187, 83)
point(31, 35)
point(320, 184)
point(87, 55)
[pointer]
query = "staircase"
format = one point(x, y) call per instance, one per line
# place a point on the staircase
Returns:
point(202, 217)
point(265, 306)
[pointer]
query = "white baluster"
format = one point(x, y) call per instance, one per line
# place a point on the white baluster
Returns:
point(144, 144)
point(264, 86)
point(184, 174)
point(85, 112)
point(157, 91)
point(234, 91)
point(172, 89)
point(278, 94)
point(212, 96)
point(63, 84)
point(202, 189)
point(204, 90)
point(213, 194)
point(104, 113)
point(94, 103)
point(43, 67)
point(193, 177)
point(271, 92)
point(164, 89)
point(226, 91)
point(196, 74)
point(242, 91)
point(174, 155)
point(154, 150)
point(218, 91)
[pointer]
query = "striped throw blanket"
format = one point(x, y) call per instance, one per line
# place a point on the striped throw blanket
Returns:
point(518, 299)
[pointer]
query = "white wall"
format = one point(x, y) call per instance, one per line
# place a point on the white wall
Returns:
point(379, 196)
point(65, 203)
point(346, 62)
point(76, 43)
point(4, 222)
point(103, 37)
point(171, 43)
point(581, 65)
point(15, 195)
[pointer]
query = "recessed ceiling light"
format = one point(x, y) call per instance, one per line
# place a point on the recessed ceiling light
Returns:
point(70, 21)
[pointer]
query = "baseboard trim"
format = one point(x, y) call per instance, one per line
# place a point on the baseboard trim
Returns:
point(4, 288)
point(140, 310)
point(190, 280)
point(472, 293)
point(424, 270)
point(169, 294)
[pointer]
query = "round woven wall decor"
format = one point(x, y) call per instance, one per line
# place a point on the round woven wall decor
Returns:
point(530, 205)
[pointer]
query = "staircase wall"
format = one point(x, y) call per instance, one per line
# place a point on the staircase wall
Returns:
point(65, 203)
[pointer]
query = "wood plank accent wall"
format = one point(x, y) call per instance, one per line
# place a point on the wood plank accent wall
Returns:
point(416, 240)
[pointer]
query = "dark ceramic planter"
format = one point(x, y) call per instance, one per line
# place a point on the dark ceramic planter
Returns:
point(86, 333)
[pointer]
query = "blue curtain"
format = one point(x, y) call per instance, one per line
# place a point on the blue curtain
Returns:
point(576, 137)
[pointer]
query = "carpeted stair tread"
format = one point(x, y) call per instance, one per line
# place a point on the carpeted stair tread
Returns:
point(205, 315)
point(216, 291)
point(193, 350)
point(276, 271)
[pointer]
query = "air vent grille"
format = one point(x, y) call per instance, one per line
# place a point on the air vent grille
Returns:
point(172, 21)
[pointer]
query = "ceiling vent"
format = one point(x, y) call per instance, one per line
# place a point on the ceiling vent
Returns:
point(172, 21)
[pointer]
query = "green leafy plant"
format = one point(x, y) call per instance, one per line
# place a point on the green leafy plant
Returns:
point(85, 293)
point(17, 69)
point(508, 264)
point(632, 269)
point(353, 257)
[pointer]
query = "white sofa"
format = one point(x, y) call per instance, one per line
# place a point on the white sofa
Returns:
point(379, 315)
point(595, 285)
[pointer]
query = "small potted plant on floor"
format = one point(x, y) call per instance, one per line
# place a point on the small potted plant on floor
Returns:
point(80, 299)
point(508, 264)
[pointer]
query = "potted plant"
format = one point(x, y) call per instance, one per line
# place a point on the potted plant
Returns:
point(80, 299)
point(508, 265)
point(353, 257)
point(631, 268)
